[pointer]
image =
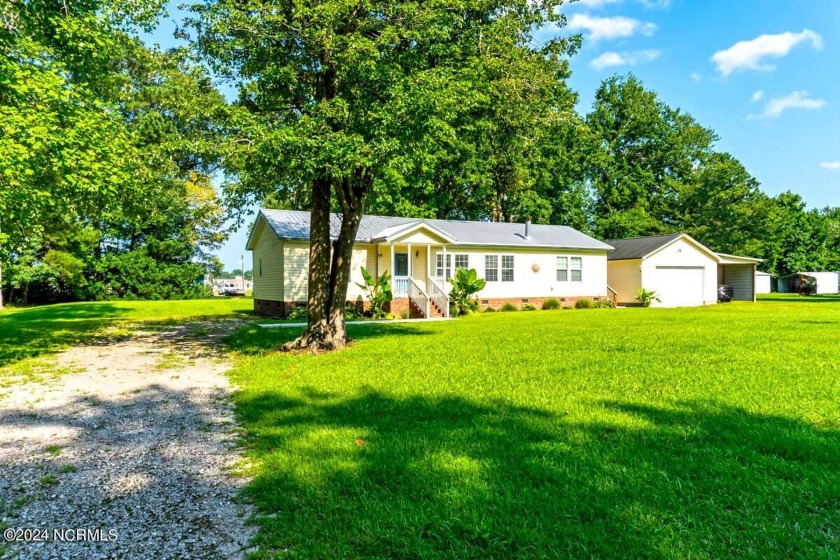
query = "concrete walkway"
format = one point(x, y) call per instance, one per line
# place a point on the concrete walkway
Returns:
point(373, 322)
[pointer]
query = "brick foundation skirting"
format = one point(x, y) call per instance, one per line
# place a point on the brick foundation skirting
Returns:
point(397, 307)
point(498, 303)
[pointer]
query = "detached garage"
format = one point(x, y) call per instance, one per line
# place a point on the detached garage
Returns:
point(682, 271)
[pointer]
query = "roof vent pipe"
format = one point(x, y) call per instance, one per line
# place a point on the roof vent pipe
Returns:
point(528, 228)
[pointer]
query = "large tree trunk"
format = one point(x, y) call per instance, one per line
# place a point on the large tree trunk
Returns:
point(340, 274)
point(329, 272)
point(318, 334)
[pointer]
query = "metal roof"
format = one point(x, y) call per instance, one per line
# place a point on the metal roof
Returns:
point(294, 225)
point(638, 247)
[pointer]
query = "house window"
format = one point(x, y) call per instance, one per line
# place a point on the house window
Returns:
point(440, 270)
point(462, 261)
point(507, 268)
point(491, 268)
point(577, 265)
point(260, 266)
point(562, 269)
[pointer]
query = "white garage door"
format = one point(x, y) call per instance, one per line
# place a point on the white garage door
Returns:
point(680, 286)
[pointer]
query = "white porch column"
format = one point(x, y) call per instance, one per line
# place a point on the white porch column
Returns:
point(393, 261)
point(444, 265)
point(410, 258)
point(428, 263)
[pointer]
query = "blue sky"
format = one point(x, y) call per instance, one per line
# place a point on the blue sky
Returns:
point(762, 74)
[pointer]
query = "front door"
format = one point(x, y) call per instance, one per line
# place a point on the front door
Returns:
point(401, 264)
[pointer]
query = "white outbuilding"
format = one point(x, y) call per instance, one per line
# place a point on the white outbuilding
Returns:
point(682, 271)
point(762, 282)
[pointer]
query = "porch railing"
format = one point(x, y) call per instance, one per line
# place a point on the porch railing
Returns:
point(399, 286)
point(417, 296)
point(438, 296)
point(440, 282)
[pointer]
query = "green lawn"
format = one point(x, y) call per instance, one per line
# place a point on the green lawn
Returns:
point(35, 331)
point(630, 433)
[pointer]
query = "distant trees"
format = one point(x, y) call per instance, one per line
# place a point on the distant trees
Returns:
point(654, 169)
point(105, 156)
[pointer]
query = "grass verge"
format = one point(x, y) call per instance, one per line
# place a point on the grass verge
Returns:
point(657, 433)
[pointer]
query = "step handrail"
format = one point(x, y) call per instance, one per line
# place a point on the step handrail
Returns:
point(418, 296)
point(439, 297)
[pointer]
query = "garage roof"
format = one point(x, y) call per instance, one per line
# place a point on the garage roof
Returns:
point(639, 247)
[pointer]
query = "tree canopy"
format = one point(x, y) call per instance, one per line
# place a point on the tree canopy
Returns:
point(111, 151)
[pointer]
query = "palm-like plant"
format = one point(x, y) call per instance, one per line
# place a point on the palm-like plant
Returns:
point(465, 284)
point(378, 291)
point(647, 297)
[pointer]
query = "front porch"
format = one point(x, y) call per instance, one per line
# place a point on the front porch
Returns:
point(417, 284)
point(417, 259)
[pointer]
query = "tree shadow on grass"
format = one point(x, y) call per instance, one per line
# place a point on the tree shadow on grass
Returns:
point(253, 339)
point(376, 476)
point(28, 333)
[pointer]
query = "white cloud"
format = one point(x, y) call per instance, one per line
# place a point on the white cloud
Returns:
point(598, 28)
point(757, 96)
point(833, 165)
point(609, 59)
point(695, 77)
point(753, 54)
point(596, 4)
point(775, 106)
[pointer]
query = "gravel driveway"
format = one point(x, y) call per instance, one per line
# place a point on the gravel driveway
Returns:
point(138, 442)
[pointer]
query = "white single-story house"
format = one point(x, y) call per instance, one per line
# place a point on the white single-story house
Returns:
point(762, 282)
point(682, 271)
point(826, 282)
point(521, 263)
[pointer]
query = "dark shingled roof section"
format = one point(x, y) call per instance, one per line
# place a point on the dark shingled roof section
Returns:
point(638, 247)
point(291, 224)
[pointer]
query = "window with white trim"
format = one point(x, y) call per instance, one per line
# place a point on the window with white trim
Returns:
point(577, 269)
point(507, 268)
point(562, 269)
point(491, 268)
point(462, 261)
point(440, 270)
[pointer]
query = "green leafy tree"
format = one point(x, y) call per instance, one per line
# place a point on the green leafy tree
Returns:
point(336, 93)
point(647, 153)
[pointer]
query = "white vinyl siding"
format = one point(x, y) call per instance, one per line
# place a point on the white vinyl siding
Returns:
point(625, 277)
point(268, 256)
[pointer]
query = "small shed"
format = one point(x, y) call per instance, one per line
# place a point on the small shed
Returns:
point(739, 274)
point(682, 271)
point(826, 282)
point(762, 282)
